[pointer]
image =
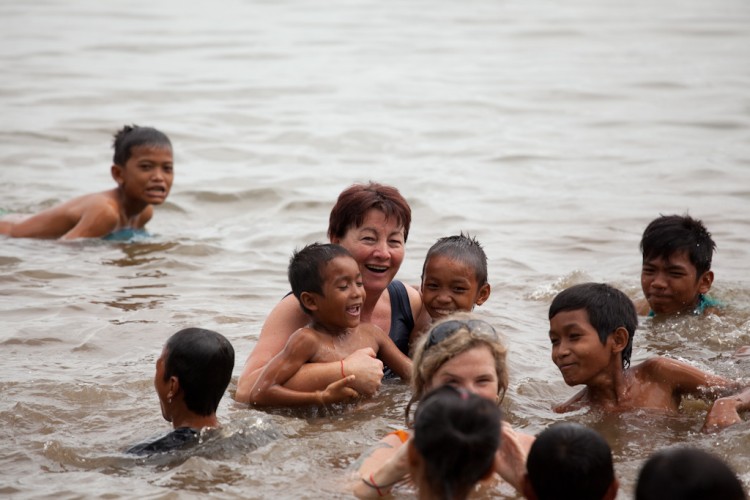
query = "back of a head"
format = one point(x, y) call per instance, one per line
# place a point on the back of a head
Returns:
point(669, 234)
point(684, 473)
point(131, 136)
point(462, 248)
point(607, 307)
point(306, 267)
point(570, 462)
point(355, 201)
point(203, 361)
point(457, 435)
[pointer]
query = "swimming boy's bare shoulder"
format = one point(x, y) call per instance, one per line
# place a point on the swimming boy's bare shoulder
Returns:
point(679, 376)
point(87, 216)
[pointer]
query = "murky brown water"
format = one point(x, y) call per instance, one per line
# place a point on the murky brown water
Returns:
point(554, 133)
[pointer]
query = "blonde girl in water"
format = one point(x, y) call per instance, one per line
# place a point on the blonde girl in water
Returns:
point(467, 353)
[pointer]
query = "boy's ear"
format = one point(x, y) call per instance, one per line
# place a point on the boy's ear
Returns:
point(528, 490)
point(619, 339)
point(611, 493)
point(117, 174)
point(174, 387)
point(309, 300)
point(705, 282)
point(483, 295)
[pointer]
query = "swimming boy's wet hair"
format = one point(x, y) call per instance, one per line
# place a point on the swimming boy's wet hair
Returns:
point(669, 234)
point(131, 136)
point(429, 357)
point(570, 462)
point(607, 307)
point(202, 360)
point(457, 433)
point(354, 202)
point(462, 248)
point(684, 473)
point(306, 268)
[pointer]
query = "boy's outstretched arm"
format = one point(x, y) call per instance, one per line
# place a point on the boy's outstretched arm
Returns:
point(270, 391)
point(391, 355)
point(726, 411)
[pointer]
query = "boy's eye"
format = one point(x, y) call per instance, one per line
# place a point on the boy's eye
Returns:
point(459, 289)
point(554, 341)
point(360, 284)
point(167, 170)
point(431, 286)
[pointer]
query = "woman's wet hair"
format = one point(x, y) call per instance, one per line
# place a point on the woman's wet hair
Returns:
point(464, 249)
point(607, 307)
point(570, 462)
point(202, 360)
point(459, 332)
point(684, 473)
point(457, 435)
point(131, 136)
point(355, 201)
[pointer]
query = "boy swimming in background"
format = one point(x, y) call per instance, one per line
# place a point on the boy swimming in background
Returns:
point(570, 462)
point(192, 374)
point(454, 276)
point(676, 273)
point(326, 280)
point(591, 330)
point(143, 169)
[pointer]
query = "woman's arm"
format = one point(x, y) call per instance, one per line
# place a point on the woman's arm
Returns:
point(387, 465)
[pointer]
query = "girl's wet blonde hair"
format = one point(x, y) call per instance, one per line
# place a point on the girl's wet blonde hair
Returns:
point(429, 356)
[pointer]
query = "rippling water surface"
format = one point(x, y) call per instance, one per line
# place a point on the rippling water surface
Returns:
point(554, 133)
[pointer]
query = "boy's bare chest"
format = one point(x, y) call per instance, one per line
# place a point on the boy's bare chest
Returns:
point(336, 348)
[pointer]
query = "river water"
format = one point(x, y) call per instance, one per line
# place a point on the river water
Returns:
point(554, 132)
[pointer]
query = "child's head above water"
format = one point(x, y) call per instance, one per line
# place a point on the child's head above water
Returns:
point(195, 366)
point(570, 461)
point(311, 274)
point(133, 136)
point(460, 350)
point(684, 473)
point(454, 276)
point(456, 436)
point(677, 252)
point(606, 307)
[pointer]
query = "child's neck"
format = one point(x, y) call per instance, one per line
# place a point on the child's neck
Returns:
point(187, 418)
point(610, 389)
point(327, 328)
point(129, 208)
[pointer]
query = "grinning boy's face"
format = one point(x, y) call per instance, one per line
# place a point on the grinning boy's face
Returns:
point(340, 305)
point(671, 285)
point(147, 175)
point(576, 348)
point(449, 285)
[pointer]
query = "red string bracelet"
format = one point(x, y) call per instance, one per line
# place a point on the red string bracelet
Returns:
point(375, 485)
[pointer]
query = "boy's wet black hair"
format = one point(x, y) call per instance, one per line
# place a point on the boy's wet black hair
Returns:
point(684, 473)
point(463, 248)
point(607, 307)
point(131, 136)
point(669, 234)
point(306, 268)
point(570, 462)
point(202, 360)
point(457, 433)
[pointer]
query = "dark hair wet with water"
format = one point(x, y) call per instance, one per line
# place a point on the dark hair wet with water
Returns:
point(202, 360)
point(462, 248)
point(570, 462)
point(669, 234)
point(607, 307)
point(457, 434)
point(685, 473)
point(131, 136)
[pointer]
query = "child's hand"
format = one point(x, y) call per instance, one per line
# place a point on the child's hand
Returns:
point(510, 459)
point(368, 370)
point(339, 391)
point(723, 413)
